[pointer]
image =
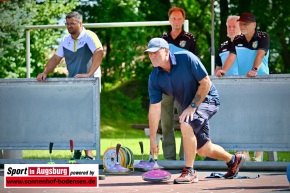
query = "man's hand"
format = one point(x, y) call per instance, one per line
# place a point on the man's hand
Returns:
point(41, 77)
point(154, 149)
point(220, 73)
point(187, 114)
point(252, 73)
point(82, 76)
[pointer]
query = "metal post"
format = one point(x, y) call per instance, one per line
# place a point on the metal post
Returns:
point(272, 156)
point(212, 39)
point(27, 53)
point(186, 25)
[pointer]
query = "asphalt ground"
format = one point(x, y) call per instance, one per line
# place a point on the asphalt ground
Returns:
point(270, 181)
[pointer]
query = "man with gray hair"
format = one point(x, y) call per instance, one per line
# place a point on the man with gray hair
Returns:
point(233, 29)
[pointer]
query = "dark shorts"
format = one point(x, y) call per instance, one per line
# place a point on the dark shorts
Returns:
point(200, 123)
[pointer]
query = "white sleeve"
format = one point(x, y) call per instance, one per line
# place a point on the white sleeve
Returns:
point(93, 41)
point(59, 51)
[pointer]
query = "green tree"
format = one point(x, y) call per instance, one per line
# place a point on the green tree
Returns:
point(13, 17)
point(124, 58)
point(17, 14)
point(278, 26)
point(199, 15)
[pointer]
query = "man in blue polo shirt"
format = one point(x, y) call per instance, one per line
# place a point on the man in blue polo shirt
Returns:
point(250, 49)
point(182, 76)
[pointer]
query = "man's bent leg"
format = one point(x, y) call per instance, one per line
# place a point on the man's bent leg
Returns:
point(189, 142)
point(206, 148)
point(214, 151)
point(167, 125)
point(234, 162)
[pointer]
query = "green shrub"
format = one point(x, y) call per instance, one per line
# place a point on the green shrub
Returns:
point(116, 105)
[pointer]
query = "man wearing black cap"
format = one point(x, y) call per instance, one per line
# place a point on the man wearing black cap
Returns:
point(182, 76)
point(251, 49)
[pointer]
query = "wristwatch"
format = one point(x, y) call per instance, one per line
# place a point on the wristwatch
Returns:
point(193, 105)
point(255, 69)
